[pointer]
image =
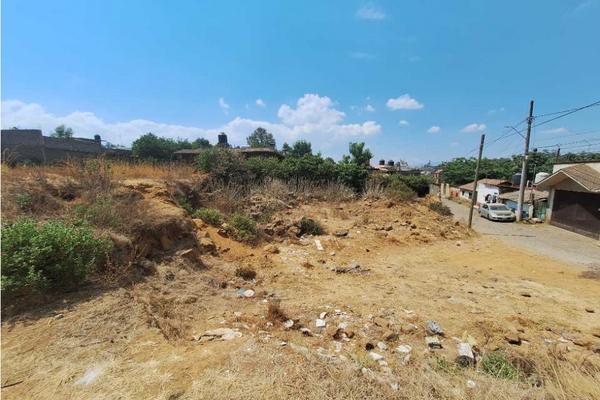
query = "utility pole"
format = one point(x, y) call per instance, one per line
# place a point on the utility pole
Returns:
point(557, 154)
point(524, 167)
point(474, 196)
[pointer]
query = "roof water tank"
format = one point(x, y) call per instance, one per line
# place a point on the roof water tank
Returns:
point(516, 179)
point(540, 176)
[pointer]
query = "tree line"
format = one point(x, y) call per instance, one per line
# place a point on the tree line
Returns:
point(462, 170)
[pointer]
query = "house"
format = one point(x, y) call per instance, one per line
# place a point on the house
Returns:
point(29, 145)
point(574, 197)
point(535, 202)
point(488, 190)
point(246, 152)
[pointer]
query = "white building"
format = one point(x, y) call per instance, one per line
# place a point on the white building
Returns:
point(488, 190)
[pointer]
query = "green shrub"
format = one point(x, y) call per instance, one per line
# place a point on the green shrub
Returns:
point(243, 227)
point(222, 164)
point(417, 183)
point(309, 226)
point(24, 201)
point(101, 213)
point(440, 208)
point(209, 215)
point(497, 365)
point(400, 191)
point(352, 175)
point(49, 256)
point(184, 203)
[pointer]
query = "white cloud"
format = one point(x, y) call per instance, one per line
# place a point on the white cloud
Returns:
point(403, 122)
point(404, 102)
point(434, 129)
point(474, 128)
point(370, 11)
point(260, 103)
point(495, 111)
point(369, 108)
point(224, 106)
point(359, 55)
point(554, 130)
point(313, 118)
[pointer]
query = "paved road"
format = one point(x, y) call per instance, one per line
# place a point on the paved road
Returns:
point(543, 239)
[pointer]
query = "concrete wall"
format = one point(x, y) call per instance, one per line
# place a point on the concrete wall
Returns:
point(21, 145)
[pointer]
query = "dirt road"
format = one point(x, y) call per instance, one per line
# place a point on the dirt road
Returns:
point(543, 239)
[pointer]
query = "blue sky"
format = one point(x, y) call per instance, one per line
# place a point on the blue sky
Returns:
point(415, 80)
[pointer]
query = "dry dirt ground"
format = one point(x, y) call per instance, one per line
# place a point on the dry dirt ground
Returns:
point(139, 342)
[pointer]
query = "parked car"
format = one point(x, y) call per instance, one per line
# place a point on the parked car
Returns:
point(496, 212)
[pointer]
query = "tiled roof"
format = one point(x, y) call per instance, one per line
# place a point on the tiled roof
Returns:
point(492, 182)
point(582, 174)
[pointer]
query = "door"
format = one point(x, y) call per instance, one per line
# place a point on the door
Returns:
point(577, 211)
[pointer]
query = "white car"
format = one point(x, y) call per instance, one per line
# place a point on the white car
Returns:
point(496, 212)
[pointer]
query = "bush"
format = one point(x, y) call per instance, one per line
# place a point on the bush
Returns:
point(309, 226)
point(222, 164)
point(499, 366)
point(101, 213)
point(352, 175)
point(243, 227)
point(400, 191)
point(440, 208)
point(209, 215)
point(246, 273)
point(50, 256)
point(417, 183)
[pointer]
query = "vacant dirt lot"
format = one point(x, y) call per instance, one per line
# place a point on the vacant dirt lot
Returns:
point(384, 271)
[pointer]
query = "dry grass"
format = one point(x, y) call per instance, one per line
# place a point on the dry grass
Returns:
point(275, 313)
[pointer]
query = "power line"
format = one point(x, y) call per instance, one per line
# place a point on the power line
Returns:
point(571, 134)
point(566, 144)
point(567, 112)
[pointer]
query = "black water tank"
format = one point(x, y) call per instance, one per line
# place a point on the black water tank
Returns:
point(516, 179)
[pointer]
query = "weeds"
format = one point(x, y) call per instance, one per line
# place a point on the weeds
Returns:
point(24, 201)
point(309, 226)
point(246, 273)
point(499, 366)
point(440, 208)
point(243, 228)
point(50, 256)
point(101, 213)
point(211, 216)
point(275, 313)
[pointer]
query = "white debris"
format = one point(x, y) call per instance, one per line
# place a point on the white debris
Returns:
point(382, 346)
point(288, 324)
point(218, 334)
point(320, 323)
point(404, 348)
point(471, 384)
point(249, 293)
point(465, 354)
point(375, 356)
point(323, 315)
point(90, 375)
point(319, 245)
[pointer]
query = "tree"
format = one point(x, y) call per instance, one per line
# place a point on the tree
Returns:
point(62, 132)
point(360, 155)
point(301, 148)
point(152, 147)
point(261, 138)
point(201, 143)
point(286, 149)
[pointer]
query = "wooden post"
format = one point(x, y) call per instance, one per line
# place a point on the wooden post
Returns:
point(474, 196)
